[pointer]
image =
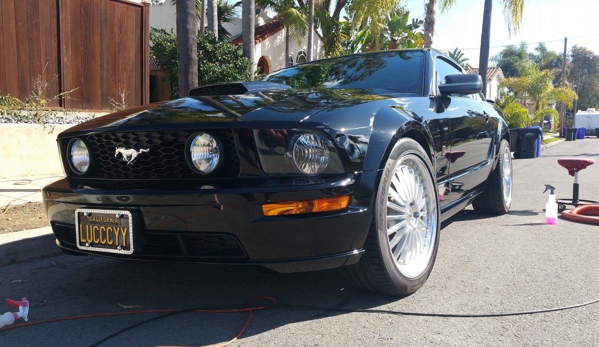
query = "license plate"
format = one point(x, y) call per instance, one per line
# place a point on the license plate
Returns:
point(104, 230)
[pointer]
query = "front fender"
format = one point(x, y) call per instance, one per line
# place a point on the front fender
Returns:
point(389, 126)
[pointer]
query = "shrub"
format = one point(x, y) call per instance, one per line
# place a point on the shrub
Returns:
point(218, 61)
point(516, 115)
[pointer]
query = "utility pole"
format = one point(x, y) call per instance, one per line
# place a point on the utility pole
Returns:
point(576, 100)
point(310, 29)
point(563, 115)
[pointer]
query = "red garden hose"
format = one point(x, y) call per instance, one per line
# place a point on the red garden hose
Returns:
point(584, 214)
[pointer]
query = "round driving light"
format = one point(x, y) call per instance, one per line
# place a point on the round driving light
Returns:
point(205, 153)
point(310, 154)
point(79, 156)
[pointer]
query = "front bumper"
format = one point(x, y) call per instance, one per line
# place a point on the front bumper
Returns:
point(223, 225)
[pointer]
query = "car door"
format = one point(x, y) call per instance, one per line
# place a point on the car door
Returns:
point(470, 139)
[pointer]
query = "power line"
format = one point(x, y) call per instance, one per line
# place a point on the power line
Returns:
point(528, 43)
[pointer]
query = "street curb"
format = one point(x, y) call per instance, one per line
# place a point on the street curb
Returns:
point(27, 244)
point(551, 144)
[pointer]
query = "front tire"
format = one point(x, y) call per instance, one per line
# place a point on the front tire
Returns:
point(403, 239)
point(497, 197)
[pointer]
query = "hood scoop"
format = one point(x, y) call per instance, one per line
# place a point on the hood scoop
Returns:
point(237, 88)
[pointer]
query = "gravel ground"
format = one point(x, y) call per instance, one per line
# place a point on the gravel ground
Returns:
point(15, 218)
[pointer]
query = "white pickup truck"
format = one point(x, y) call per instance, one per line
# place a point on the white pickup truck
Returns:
point(589, 120)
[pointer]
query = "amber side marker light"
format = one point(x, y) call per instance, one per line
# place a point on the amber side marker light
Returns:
point(306, 206)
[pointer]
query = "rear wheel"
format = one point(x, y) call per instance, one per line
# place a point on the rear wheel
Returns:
point(497, 197)
point(402, 243)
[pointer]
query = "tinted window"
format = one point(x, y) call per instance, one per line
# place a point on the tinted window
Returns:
point(394, 71)
point(444, 68)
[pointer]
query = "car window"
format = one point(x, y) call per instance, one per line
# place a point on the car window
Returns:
point(398, 71)
point(445, 68)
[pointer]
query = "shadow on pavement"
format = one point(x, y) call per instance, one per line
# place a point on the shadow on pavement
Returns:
point(90, 285)
point(469, 215)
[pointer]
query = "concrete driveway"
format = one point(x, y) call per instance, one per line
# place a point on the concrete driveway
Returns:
point(485, 264)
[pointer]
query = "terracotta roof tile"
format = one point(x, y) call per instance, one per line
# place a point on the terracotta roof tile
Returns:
point(264, 31)
point(491, 73)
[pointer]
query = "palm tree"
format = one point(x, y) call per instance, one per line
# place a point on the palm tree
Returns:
point(212, 14)
point(429, 23)
point(458, 56)
point(512, 10)
point(201, 12)
point(401, 33)
point(187, 43)
point(368, 12)
point(537, 85)
point(294, 20)
point(224, 14)
point(310, 29)
point(248, 24)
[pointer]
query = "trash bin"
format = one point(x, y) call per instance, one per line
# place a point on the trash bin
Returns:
point(529, 142)
point(514, 137)
point(571, 134)
point(581, 133)
point(539, 140)
point(597, 132)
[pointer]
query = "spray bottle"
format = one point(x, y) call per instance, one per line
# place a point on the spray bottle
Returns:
point(551, 206)
point(10, 317)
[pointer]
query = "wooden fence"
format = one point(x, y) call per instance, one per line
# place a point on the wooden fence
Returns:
point(98, 49)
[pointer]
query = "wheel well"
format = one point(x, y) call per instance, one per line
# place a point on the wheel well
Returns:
point(506, 137)
point(418, 137)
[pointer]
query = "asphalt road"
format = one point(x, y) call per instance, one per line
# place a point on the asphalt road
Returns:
point(485, 265)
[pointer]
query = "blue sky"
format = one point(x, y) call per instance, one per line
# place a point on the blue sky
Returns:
point(544, 20)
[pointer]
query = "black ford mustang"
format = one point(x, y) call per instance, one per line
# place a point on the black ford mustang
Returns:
point(352, 161)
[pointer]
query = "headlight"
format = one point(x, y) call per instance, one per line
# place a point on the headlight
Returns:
point(79, 156)
point(297, 152)
point(205, 152)
point(310, 154)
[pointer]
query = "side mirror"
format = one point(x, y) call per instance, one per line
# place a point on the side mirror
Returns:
point(461, 84)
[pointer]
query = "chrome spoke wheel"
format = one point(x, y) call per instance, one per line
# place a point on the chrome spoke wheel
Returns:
point(507, 176)
point(411, 216)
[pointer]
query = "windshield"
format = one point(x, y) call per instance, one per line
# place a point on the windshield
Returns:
point(397, 71)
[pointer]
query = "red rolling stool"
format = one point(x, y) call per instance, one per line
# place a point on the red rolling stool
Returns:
point(574, 165)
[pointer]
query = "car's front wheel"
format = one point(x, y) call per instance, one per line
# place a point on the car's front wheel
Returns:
point(497, 197)
point(402, 243)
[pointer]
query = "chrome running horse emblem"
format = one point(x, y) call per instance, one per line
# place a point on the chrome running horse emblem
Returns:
point(129, 155)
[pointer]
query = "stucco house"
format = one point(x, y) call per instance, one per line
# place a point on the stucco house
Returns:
point(269, 37)
point(494, 76)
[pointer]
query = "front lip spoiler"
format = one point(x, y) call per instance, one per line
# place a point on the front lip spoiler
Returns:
point(282, 266)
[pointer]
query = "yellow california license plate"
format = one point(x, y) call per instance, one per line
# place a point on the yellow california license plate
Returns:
point(104, 230)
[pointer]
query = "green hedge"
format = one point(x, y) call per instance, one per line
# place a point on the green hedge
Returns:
point(218, 61)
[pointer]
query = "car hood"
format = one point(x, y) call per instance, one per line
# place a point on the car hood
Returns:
point(284, 108)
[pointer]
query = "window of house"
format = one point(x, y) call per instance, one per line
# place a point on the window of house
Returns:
point(302, 57)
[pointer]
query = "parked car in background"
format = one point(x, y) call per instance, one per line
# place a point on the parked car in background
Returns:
point(547, 123)
point(347, 162)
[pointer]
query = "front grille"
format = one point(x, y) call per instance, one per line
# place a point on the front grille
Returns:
point(166, 158)
point(165, 244)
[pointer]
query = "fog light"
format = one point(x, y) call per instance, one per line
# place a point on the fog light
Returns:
point(306, 206)
point(205, 153)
